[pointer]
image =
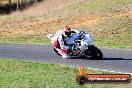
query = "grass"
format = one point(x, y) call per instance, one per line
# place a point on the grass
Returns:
point(26, 40)
point(25, 74)
point(104, 5)
point(113, 33)
point(46, 8)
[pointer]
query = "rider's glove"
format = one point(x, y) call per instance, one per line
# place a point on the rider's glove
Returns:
point(81, 32)
point(80, 37)
point(72, 47)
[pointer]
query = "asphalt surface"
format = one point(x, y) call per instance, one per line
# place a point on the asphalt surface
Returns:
point(114, 59)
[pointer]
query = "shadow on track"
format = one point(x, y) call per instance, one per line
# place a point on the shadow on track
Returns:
point(105, 58)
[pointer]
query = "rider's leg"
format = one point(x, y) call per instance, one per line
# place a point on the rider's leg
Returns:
point(56, 44)
point(63, 53)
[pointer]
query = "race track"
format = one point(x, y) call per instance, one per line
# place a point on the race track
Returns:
point(114, 59)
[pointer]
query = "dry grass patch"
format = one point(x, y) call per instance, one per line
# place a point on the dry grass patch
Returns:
point(48, 17)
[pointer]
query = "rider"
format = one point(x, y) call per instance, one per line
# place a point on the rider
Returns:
point(61, 43)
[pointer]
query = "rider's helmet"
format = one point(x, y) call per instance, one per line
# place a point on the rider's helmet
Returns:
point(67, 31)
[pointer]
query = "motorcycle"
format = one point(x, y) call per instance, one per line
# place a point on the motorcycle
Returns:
point(82, 46)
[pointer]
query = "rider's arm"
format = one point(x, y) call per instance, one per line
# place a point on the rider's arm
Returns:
point(75, 31)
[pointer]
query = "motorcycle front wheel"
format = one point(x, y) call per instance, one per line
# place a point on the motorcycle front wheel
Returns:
point(94, 52)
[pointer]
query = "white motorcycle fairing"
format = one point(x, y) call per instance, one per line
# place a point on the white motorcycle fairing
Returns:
point(83, 44)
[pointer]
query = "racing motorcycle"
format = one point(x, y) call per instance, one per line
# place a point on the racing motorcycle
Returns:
point(82, 44)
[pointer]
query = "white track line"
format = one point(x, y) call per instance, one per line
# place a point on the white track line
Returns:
point(100, 70)
point(108, 71)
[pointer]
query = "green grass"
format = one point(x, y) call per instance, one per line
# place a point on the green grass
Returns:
point(113, 33)
point(103, 5)
point(27, 74)
point(40, 40)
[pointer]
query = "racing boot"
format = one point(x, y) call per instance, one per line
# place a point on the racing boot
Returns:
point(65, 56)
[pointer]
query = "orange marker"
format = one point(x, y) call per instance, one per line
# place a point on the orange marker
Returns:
point(81, 71)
